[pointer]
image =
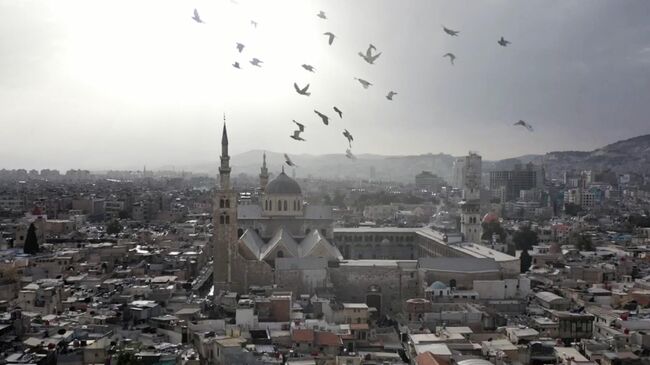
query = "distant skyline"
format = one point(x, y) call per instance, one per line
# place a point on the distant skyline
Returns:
point(121, 84)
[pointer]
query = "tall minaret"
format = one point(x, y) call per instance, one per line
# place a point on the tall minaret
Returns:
point(224, 219)
point(470, 217)
point(264, 173)
point(224, 168)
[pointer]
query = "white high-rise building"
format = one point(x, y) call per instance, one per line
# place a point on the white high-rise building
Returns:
point(470, 218)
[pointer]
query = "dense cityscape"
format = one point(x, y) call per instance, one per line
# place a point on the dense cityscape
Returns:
point(499, 266)
point(324, 182)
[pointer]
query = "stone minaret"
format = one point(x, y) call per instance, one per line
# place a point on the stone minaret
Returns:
point(264, 173)
point(470, 217)
point(224, 218)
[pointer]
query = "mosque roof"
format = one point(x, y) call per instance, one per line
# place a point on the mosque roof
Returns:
point(283, 184)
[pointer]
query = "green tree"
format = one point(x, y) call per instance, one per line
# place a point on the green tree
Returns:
point(339, 199)
point(524, 261)
point(525, 238)
point(581, 242)
point(490, 228)
point(572, 209)
point(31, 242)
point(128, 358)
point(114, 227)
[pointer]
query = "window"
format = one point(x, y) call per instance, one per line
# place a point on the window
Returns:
point(266, 205)
point(227, 203)
point(280, 254)
point(227, 219)
point(279, 204)
point(270, 204)
point(285, 205)
point(221, 203)
point(221, 220)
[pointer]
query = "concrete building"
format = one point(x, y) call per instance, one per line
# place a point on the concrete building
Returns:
point(509, 183)
point(428, 181)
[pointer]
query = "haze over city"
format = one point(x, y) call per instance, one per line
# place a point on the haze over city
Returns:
point(121, 84)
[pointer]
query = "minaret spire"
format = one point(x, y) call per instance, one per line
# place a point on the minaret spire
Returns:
point(224, 168)
point(264, 173)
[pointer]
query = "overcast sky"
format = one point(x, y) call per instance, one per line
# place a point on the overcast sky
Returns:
point(120, 84)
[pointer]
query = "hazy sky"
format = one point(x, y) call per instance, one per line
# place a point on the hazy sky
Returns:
point(116, 84)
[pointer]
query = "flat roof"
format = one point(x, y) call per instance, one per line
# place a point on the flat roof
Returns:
point(386, 263)
point(377, 230)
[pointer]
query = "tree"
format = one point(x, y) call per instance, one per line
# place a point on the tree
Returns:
point(114, 227)
point(581, 242)
point(490, 228)
point(525, 238)
point(31, 242)
point(572, 209)
point(524, 261)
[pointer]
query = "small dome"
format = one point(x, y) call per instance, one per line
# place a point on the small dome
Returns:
point(283, 184)
point(490, 218)
point(438, 285)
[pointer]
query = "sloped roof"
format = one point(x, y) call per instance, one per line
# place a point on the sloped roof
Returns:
point(251, 242)
point(281, 238)
point(315, 239)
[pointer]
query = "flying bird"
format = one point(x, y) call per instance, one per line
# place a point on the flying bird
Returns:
point(525, 125)
point(451, 56)
point(331, 37)
point(339, 112)
point(309, 68)
point(453, 33)
point(363, 82)
point(296, 136)
point(325, 118)
point(288, 161)
point(236, 65)
point(256, 62)
point(321, 15)
point(368, 56)
point(196, 17)
point(390, 95)
point(348, 136)
point(301, 126)
point(254, 23)
point(302, 91)
point(348, 154)
point(502, 42)
point(240, 47)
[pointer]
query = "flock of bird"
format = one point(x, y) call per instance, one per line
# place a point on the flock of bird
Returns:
point(370, 56)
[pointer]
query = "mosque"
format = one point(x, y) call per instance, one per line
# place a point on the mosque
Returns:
point(249, 238)
point(282, 241)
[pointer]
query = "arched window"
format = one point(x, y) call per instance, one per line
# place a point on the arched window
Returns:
point(280, 254)
point(279, 204)
point(266, 205)
point(452, 283)
point(294, 206)
point(285, 205)
point(240, 232)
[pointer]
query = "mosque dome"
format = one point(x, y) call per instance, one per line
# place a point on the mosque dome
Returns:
point(283, 184)
point(438, 285)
